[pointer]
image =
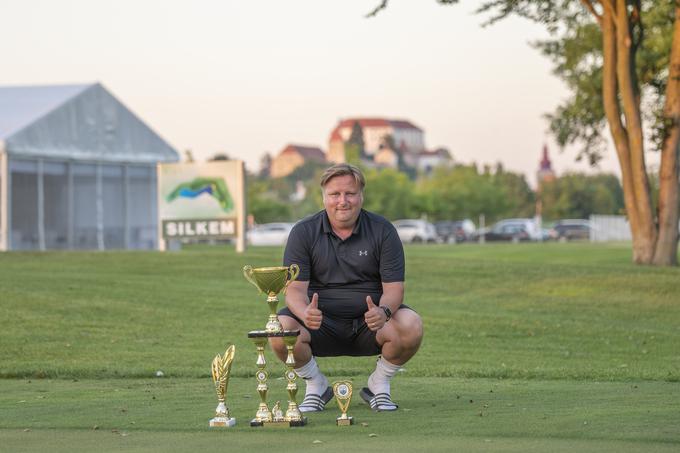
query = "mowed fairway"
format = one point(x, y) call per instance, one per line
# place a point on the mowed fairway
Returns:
point(539, 347)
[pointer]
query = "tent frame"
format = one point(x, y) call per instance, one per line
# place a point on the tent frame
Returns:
point(6, 208)
point(4, 199)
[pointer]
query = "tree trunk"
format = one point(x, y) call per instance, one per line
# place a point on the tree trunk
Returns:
point(645, 239)
point(642, 253)
point(666, 252)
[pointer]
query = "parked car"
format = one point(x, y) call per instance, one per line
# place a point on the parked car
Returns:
point(269, 234)
point(455, 230)
point(571, 229)
point(514, 230)
point(415, 230)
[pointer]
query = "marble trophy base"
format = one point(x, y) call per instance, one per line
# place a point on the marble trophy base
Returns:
point(344, 421)
point(281, 424)
point(222, 422)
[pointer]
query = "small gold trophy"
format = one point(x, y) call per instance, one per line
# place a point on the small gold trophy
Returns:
point(221, 367)
point(271, 280)
point(343, 395)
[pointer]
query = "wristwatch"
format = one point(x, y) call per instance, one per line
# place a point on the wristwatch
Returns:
point(388, 312)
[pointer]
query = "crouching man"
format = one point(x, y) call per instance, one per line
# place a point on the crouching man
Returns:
point(347, 300)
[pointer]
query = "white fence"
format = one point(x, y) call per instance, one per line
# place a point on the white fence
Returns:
point(604, 228)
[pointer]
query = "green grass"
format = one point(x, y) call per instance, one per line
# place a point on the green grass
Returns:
point(435, 414)
point(559, 346)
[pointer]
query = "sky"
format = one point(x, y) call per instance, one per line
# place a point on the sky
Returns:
point(245, 77)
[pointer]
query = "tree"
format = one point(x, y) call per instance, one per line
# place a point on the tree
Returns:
point(391, 193)
point(462, 192)
point(521, 199)
point(621, 60)
point(265, 165)
point(269, 200)
point(352, 153)
point(263, 203)
point(577, 196)
point(357, 137)
point(219, 157)
point(355, 151)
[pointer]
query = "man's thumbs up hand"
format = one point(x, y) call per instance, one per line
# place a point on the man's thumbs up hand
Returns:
point(313, 315)
point(375, 316)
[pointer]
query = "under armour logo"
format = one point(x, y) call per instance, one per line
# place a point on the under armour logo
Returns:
point(363, 253)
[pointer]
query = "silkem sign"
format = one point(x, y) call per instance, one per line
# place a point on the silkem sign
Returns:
point(199, 228)
point(201, 200)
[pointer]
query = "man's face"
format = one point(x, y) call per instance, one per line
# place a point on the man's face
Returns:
point(342, 199)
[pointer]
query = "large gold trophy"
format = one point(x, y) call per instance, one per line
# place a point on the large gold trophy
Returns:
point(271, 281)
point(221, 367)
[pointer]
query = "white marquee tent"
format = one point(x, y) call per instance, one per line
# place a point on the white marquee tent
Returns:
point(77, 170)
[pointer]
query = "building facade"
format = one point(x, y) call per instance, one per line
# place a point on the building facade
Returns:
point(402, 135)
point(292, 157)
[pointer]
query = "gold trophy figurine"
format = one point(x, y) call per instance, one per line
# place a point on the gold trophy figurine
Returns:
point(343, 395)
point(277, 413)
point(221, 367)
point(271, 280)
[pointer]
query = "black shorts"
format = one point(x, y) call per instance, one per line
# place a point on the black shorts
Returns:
point(338, 336)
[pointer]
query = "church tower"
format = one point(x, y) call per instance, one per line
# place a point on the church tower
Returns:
point(545, 174)
point(545, 171)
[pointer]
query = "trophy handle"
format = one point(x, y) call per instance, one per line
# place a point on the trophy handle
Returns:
point(293, 272)
point(248, 274)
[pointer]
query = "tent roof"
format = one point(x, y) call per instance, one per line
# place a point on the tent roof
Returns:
point(82, 122)
point(22, 105)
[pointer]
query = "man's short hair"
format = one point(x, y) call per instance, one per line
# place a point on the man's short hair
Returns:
point(342, 170)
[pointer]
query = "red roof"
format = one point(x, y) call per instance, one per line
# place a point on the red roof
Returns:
point(377, 122)
point(308, 152)
point(335, 135)
point(404, 124)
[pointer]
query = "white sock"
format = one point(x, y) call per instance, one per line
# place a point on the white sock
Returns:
point(379, 380)
point(314, 378)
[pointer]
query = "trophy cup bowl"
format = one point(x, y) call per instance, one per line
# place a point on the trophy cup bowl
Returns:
point(271, 281)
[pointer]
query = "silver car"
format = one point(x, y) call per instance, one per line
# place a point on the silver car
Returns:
point(269, 234)
point(415, 230)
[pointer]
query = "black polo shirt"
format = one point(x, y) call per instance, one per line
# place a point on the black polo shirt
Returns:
point(344, 272)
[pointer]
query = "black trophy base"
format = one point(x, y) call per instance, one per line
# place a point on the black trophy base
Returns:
point(282, 424)
point(264, 333)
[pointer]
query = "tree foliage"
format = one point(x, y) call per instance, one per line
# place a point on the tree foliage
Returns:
point(521, 200)
point(447, 194)
point(577, 196)
point(263, 202)
point(575, 49)
point(391, 194)
point(353, 153)
point(270, 199)
point(463, 192)
point(355, 148)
